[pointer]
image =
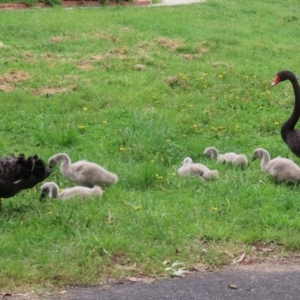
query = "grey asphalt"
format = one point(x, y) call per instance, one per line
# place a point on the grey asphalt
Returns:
point(266, 281)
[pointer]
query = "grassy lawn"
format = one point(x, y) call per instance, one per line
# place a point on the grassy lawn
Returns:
point(137, 89)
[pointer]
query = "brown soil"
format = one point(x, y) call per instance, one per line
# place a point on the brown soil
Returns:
point(7, 80)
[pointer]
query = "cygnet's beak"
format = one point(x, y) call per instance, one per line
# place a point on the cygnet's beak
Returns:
point(42, 196)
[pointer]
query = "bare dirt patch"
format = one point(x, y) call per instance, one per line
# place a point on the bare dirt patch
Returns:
point(172, 44)
point(56, 39)
point(51, 56)
point(87, 64)
point(48, 91)
point(284, 264)
point(7, 80)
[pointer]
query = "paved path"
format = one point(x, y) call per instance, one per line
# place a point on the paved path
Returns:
point(266, 281)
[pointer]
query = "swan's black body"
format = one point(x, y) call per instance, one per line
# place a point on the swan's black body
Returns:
point(288, 133)
point(19, 173)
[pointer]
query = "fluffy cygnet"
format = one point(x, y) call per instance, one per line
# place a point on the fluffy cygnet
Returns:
point(51, 189)
point(194, 169)
point(282, 169)
point(230, 157)
point(83, 172)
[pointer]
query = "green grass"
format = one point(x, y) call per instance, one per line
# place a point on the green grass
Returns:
point(136, 90)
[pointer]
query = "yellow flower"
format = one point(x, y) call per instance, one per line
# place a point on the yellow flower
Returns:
point(184, 135)
point(160, 177)
point(153, 160)
point(122, 148)
point(195, 125)
point(138, 207)
point(49, 213)
point(81, 127)
point(220, 76)
point(168, 141)
point(276, 123)
point(85, 109)
point(104, 122)
point(214, 208)
point(261, 107)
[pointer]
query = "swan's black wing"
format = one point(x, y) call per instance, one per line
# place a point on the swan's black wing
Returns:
point(18, 173)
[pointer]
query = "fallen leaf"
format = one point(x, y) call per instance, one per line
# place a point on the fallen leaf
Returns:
point(232, 286)
point(180, 272)
point(200, 267)
point(266, 249)
point(133, 279)
point(176, 263)
point(238, 259)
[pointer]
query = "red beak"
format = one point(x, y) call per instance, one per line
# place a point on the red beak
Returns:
point(276, 80)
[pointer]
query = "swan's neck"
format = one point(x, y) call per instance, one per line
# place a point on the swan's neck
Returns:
point(291, 122)
point(265, 160)
point(54, 192)
point(214, 153)
point(65, 164)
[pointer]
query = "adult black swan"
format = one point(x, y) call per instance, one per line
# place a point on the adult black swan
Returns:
point(288, 133)
point(19, 173)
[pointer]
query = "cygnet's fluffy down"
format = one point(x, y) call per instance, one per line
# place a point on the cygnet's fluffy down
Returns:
point(194, 169)
point(51, 189)
point(282, 169)
point(230, 157)
point(83, 172)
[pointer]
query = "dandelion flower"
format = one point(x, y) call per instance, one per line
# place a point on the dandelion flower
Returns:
point(160, 177)
point(122, 148)
point(104, 122)
point(138, 207)
point(276, 123)
point(82, 127)
point(214, 208)
point(85, 109)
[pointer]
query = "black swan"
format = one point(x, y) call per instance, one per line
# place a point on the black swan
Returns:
point(288, 133)
point(19, 173)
